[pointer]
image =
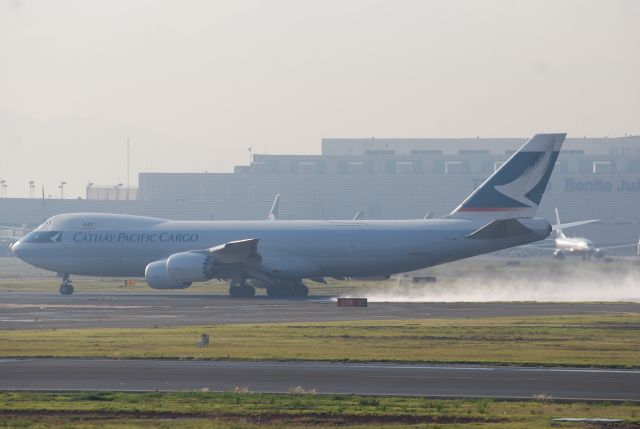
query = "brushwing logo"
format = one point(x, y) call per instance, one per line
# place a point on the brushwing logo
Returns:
point(520, 188)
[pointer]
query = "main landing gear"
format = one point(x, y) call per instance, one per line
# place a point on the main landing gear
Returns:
point(241, 289)
point(288, 288)
point(66, 288)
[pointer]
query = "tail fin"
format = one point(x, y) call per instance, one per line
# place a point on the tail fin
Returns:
point(273, 213)
point(516, 188)
point(558, 226)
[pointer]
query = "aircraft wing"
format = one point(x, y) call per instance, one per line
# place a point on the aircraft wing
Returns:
point(540, 248)
point(572, 224)
point(620, 246)
point(241, 255)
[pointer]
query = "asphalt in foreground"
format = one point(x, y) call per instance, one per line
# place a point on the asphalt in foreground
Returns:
point(280, 377)
point(28, 310)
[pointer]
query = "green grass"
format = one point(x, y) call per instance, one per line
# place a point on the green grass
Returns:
point(250, 410)
point(591, 340)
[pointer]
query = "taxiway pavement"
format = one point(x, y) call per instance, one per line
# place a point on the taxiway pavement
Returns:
point(26, 310)
point(366, 379)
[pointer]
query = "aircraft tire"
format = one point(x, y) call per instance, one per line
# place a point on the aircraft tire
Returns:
point(66, 289)
point(300, 289)
point(274, 291)
point(245, 291)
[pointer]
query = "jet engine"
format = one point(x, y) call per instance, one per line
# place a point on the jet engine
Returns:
point(178, 271)
point(188, 267)
point(157, 278)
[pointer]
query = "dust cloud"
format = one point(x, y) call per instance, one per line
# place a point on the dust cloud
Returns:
point(575, 284)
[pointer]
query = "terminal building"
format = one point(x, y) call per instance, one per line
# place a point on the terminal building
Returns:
point(595, 178)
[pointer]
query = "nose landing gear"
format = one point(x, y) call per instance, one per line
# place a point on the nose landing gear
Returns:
point(66, 288)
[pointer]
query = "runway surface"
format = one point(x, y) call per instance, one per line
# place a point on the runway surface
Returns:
point(366, 379)
point(24, 310)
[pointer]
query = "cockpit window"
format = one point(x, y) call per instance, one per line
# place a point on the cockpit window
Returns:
point(42, 237)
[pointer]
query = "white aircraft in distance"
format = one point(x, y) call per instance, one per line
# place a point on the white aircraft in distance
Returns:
point(577, 246)
point(279, 255)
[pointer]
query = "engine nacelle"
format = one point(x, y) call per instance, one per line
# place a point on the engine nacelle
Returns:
point(188, 267)
point(157, 278)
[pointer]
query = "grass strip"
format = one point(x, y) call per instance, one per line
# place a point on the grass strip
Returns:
point(245, 409)
point(584, 341)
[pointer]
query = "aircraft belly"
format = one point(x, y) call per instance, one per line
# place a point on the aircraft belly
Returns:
point(94, 266)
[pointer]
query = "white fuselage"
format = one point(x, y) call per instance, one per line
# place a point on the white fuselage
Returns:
point(122, 245)
point(575, 246)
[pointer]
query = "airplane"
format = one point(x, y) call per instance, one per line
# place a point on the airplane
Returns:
point(277, 256)
point(578, 246)
point(572, 245)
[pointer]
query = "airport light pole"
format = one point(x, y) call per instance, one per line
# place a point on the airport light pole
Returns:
point(89, 187)
point(118, 191)
point(4, 187)
point(61, 186)
point(32, 187)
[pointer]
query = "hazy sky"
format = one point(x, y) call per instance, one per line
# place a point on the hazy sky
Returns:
point(193, 84)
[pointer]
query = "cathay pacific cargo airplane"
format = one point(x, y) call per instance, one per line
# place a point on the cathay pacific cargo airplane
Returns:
point(279, 255)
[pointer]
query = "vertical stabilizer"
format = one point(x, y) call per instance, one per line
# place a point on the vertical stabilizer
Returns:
point(273, 213)
point(558, 226)
point(516, 188)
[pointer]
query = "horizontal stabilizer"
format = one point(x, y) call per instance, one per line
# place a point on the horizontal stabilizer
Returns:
point(560, 227)
point(501, 228)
